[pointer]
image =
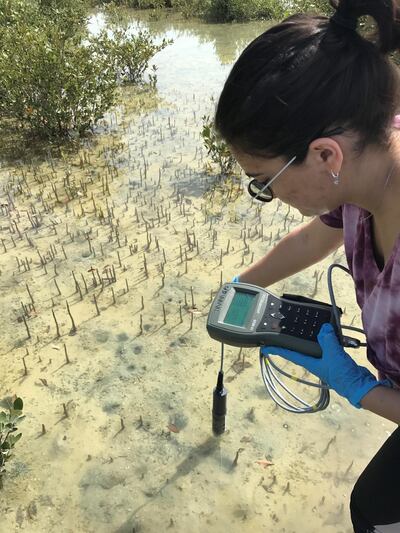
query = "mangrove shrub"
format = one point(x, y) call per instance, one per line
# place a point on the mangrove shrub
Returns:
point(8, 426)
point(233, 10)
point(56, 77)
point(217, 149)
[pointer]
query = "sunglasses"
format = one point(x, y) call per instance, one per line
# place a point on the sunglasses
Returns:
point(262, 191)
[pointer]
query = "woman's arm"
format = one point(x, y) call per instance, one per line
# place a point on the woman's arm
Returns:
point(302, 247)
point(384, 402)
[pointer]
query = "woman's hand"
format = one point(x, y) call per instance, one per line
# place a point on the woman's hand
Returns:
point(335, 368)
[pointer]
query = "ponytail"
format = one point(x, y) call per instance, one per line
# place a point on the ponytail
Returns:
point(386, 14)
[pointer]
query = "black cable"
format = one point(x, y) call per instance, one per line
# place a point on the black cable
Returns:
point(269, 369)
point(332, 297)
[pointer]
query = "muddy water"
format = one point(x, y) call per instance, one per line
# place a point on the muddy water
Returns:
point(133, 234)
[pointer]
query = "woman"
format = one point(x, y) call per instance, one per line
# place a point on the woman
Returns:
point(309, 111)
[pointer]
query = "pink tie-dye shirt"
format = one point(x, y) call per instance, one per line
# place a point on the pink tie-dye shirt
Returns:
point(377, 289)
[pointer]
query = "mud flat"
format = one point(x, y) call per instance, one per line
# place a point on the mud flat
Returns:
point(110, 255)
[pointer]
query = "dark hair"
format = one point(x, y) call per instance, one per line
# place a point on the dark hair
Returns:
point(309, 74)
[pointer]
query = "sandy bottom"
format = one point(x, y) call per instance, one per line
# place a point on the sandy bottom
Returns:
point(118, 438)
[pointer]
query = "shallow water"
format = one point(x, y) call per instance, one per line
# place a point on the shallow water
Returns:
point(133, 450)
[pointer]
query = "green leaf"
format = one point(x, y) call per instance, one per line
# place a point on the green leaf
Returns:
point(17, 437)
point(6, 402)
point(12, 439)
point(18, 404)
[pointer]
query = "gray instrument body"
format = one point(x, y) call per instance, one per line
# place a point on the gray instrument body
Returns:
point(246, 315)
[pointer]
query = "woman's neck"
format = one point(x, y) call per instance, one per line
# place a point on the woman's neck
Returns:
point(372, 181)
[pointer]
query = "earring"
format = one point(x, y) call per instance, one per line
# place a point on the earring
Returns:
point(335, 177)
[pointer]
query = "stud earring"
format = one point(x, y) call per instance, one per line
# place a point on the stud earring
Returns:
point(335, 177)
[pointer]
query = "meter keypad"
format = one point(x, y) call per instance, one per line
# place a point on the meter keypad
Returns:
point(293, 319)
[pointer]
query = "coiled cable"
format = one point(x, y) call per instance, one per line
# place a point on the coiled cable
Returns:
point(269, 369)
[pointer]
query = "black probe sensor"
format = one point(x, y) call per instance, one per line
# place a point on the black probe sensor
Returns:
point(219, 401)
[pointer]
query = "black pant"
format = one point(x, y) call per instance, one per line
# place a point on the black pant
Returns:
point(375, 500)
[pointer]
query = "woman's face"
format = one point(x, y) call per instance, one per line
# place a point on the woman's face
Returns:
point(306, 187)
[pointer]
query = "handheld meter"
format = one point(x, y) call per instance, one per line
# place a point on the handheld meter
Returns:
point(246, 315)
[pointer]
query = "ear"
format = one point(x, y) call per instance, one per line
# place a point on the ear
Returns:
point(327, 153)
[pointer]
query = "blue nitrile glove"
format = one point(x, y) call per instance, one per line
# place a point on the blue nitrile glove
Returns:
point(236, 279)
point(336, 368)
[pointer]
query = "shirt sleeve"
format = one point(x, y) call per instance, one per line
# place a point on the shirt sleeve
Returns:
point(334, 218)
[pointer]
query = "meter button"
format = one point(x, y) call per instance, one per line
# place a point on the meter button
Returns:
point(264, 324)
point(277, 315)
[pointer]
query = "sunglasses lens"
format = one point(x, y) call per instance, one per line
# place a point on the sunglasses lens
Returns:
point(255, 189)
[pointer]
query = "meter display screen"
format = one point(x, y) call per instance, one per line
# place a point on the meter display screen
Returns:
point(239, 309)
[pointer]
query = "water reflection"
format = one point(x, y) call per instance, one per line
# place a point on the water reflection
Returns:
point(226, 40)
